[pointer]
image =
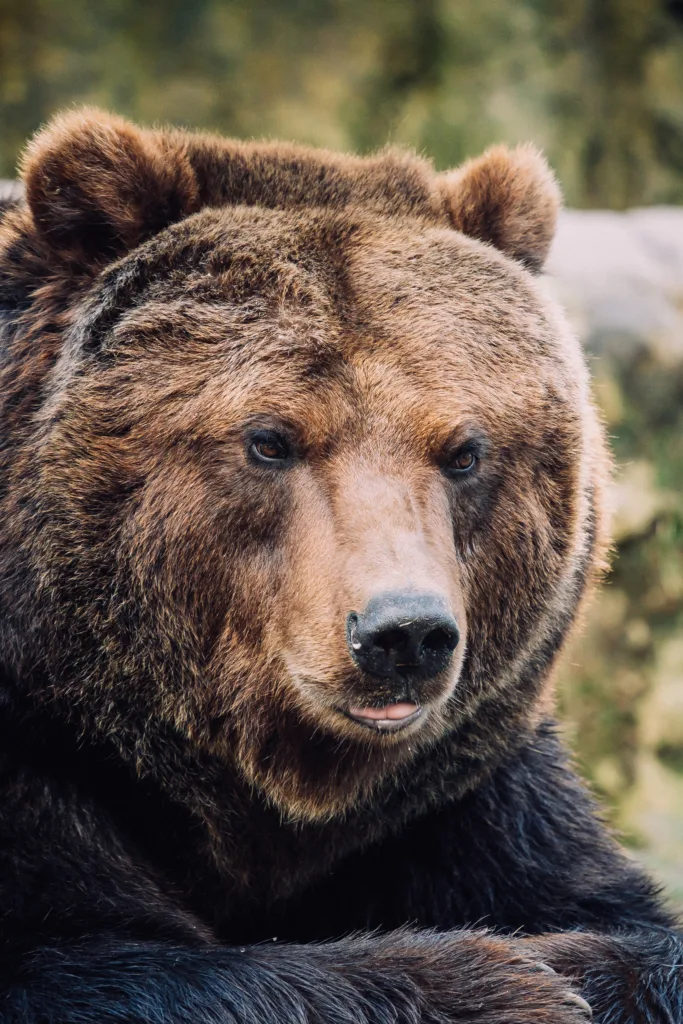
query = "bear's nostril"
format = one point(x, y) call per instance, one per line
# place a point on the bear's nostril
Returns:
point(440, 640)
point(403, 633)
point(392, 639)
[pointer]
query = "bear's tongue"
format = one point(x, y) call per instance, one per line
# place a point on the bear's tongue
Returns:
point(392, 712)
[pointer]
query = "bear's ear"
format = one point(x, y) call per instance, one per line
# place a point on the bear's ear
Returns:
point(97, 186)
point(508, 197)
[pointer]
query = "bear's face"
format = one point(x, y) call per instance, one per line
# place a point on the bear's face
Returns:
point(316, 487)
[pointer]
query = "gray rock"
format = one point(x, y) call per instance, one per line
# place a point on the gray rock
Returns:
point(620, 276)
point(10, 189)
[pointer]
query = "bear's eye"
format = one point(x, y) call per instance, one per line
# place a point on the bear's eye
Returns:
point(270, 447)
point(461, 462)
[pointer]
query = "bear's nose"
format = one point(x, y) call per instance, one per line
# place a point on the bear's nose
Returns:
point(403, 633)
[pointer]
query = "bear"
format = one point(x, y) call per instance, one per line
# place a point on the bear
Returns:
point(302, 491)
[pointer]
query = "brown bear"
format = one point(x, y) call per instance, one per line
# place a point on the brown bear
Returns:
point(301, 491)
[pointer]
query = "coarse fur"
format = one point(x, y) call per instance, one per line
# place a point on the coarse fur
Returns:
point(182, 775)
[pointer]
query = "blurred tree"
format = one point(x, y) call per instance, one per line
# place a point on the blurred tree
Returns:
point(598, 83)
point(610, 96)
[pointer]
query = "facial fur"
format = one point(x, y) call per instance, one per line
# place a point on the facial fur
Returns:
point(153, 570)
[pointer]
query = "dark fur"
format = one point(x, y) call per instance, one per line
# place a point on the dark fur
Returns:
point(178, 789)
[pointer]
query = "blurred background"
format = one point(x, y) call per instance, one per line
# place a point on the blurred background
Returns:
point(598, 84)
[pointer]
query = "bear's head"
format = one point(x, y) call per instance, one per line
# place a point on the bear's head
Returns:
point(299, 459)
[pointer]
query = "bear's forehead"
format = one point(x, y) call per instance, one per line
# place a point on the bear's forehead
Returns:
point(392, 316)
point(340, 283)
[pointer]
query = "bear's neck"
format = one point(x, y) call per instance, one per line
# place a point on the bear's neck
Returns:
point(195, 819)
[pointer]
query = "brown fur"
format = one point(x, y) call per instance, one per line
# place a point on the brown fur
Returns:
point(510, 199)
point(376, 309)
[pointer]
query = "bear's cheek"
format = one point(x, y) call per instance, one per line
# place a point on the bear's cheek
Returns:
point(518, 563)
point(184, 553)
point(224, 556)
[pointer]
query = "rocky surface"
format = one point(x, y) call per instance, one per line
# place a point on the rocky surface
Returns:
point(620, 276)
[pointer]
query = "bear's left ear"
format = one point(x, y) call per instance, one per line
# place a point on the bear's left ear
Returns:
point(97, 186)
point(508, 197)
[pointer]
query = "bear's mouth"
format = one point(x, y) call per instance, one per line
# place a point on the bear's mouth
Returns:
point(391, 718)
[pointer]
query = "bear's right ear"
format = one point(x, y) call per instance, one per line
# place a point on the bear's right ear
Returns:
point(507, 197)
point(97, 186)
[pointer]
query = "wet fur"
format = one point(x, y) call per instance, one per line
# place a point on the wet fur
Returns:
point(178, 785)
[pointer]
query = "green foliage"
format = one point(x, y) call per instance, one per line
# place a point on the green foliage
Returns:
point(598, 83)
